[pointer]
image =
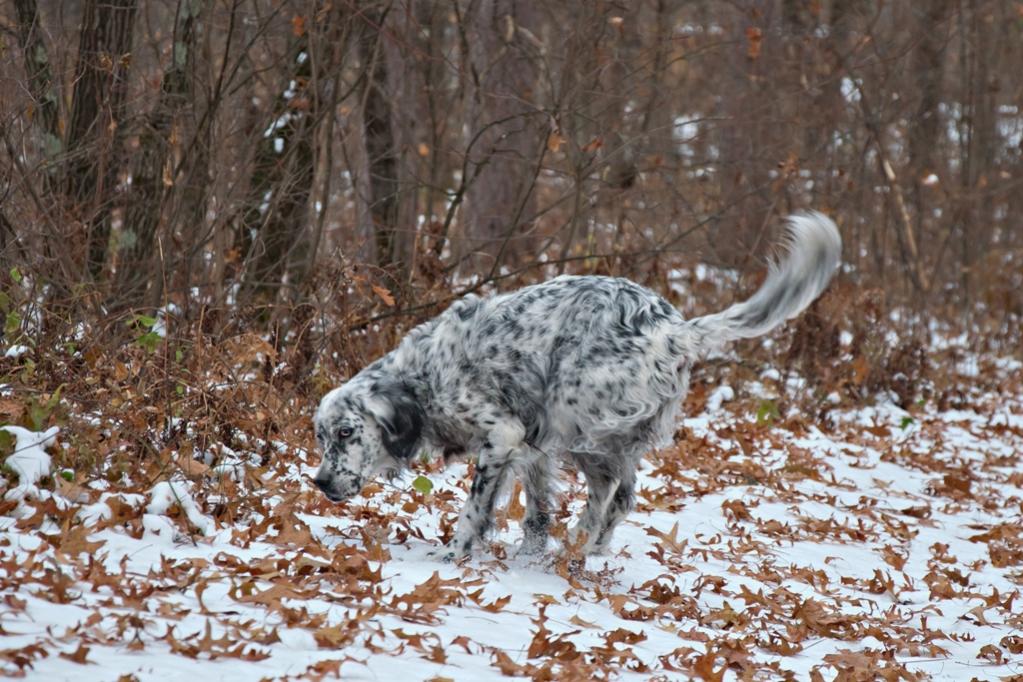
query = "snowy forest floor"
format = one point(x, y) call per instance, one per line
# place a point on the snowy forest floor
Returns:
point(847, 541)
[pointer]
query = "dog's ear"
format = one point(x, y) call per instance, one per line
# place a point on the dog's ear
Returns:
point(400, 416)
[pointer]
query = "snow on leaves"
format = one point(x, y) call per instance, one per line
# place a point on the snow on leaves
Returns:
point(853, 547)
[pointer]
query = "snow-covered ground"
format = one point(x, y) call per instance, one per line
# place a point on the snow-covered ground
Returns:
point(864, 543)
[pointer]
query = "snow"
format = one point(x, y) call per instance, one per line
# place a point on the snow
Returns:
point(809, 545)
point(29, 460)
point(16, 351)
point(167, 494)
point(721, 394)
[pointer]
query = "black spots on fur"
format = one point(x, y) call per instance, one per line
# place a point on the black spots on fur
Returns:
point(467, 307)
point(521, 391)
point(452, 452)
point(598, 352)
point(488, 329)
point(511, 329)
point(537, 524)
point(665, 309)
point(639, 310)
point(477, 485)
point(403, 421)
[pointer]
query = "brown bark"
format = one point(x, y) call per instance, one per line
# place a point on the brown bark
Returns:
point(507, 131)
point(153, 174)
point(97, 113)
point(275, 225)
point(45, 97)
point(746, 133)
point(382, 155)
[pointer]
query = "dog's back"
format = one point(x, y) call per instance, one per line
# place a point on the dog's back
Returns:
point(588, 363)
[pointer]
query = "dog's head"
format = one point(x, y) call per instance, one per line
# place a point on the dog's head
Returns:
point(365, 428)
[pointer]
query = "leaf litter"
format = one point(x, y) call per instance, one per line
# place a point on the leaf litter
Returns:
point(860, 543)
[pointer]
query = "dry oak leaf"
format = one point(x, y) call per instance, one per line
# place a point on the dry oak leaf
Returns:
point(463, 642)
point(1014, 643)
point(704, 667)
point(11, 410)
point(991, 653)
point(384, 295)
point(333, 637)
point(78, 656)
point(506, 665)
point(273, 595)
point(75, 541)
point(319, 670)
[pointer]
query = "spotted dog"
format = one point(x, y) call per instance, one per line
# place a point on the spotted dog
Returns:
point(588, 369)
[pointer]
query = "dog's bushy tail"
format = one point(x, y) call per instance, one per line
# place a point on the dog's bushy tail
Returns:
point(814, 249)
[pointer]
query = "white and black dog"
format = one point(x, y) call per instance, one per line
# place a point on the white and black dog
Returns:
point(590, 369)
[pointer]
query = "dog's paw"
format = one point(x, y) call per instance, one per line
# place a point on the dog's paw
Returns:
point(448, 555)
point(531, 548)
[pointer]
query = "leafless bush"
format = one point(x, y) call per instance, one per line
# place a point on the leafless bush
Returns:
point(327, 174)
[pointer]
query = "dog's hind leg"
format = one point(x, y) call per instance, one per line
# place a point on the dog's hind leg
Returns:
point(622, 501)
point(601, 483)
point(535, 473)
point(611, 481)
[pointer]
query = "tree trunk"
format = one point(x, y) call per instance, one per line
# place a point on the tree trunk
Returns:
point(275, 224)
point(745, 134)
point(97, 112)
point(507, 131)
point(979, 159)
point(382, 156)
point(153, 174)
point(45, 96)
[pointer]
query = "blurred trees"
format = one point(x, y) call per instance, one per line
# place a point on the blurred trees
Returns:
point(264, 153)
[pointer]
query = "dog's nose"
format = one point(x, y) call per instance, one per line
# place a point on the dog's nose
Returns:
point(322, 482)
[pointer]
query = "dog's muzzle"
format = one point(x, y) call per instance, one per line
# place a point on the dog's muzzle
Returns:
point(335, 492)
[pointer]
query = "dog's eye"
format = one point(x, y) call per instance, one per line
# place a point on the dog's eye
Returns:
point(344, 432)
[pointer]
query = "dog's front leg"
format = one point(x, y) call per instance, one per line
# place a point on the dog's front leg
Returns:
point(493, 464)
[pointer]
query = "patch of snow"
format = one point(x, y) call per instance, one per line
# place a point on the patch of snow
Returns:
point(17, 350)
point(167, 494)
point(721, 394)
point(29, 461)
